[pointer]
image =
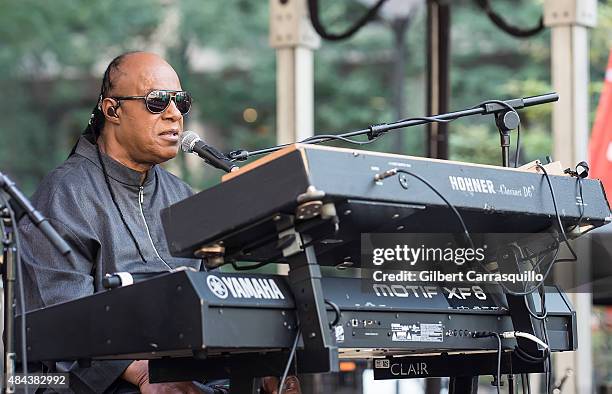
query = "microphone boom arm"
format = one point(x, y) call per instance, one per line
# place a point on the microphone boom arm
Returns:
point(374, 131)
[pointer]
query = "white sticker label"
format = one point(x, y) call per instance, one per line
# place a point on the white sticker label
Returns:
point(381, 363)
point(339, 334)
point(421, 332)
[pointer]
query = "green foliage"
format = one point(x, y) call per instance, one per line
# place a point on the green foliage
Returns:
point(69, 35)
point(52, 54)
point(48, 52)
point(474, 144)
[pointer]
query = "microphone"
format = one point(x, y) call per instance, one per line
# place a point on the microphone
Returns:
point(120, 279)
point(192, 143)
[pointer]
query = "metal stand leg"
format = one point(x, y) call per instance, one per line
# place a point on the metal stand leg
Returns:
point(9, 253)
point(320, 353)
point(463, 385)
point(521, 319)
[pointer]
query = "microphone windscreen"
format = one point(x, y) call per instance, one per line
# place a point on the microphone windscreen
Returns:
point(189, 138)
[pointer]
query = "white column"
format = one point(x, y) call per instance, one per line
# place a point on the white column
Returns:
point(294, 94)
point(569, 21)
point(292, 35)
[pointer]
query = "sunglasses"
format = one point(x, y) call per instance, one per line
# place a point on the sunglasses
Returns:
point(157, 101)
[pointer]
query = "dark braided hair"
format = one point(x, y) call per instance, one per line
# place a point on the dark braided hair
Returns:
point(94, 129)
point(96, 121)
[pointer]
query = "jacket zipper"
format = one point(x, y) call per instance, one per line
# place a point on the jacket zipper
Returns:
point(140, 202)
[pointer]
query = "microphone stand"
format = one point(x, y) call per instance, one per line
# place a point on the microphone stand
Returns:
point(9, 255)
point(10, 261)
point(36, 217)
point(504, 111)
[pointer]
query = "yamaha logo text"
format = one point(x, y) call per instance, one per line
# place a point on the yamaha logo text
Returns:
point(260, 288)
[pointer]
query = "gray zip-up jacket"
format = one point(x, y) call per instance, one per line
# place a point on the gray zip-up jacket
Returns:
point(76, 200)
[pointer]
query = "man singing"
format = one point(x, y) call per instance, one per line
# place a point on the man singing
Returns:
point(105, 201)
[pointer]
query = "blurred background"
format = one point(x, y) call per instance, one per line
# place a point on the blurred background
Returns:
point(53, 55)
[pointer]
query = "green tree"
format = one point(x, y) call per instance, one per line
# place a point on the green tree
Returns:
point(52, 55)
point(48, 54)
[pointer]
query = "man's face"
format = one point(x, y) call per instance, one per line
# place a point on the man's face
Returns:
point(147, 138)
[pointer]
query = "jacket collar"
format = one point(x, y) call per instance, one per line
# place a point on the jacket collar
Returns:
point(115, 170)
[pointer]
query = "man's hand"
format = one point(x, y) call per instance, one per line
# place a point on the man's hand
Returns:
point(169, 388)
point(137, 373)
point(292, 385)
